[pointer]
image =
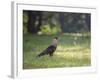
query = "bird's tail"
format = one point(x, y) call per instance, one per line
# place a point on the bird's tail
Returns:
point(41, 54)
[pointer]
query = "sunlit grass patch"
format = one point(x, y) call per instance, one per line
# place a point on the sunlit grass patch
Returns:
point(71, 51)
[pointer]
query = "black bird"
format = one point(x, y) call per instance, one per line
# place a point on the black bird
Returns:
point(51, 49)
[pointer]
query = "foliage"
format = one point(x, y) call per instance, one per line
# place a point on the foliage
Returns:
point(46, 29)
point(55, 22)
point(25, 20)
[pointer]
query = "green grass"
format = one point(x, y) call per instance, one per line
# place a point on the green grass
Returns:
point(73, 51)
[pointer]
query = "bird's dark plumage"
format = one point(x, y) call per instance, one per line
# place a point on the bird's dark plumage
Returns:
point(51, 49)
point(48, 51)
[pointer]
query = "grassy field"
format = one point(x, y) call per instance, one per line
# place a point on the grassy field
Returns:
point(73, 51)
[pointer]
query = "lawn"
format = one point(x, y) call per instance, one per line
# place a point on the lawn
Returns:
point(73, 51)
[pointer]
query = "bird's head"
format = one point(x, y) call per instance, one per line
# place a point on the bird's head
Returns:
point(56, 38)
point(55, 41)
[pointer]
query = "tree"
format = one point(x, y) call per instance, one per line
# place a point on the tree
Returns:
point(88, 21)
point(62, 22)
point(34, 21)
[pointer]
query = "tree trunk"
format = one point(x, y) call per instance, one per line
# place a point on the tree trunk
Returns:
point(88, 21)
point(34, 21)
point(62, 22)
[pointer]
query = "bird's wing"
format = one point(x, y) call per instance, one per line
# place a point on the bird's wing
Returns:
point(51, 49)
point(48, 50)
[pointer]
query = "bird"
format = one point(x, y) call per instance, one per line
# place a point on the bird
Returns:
point(50, 49)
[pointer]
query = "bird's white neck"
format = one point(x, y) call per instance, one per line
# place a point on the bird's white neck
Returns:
point(55, 42)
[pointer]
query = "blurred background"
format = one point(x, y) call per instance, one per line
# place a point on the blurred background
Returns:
point(43, 22)
point(73, 30)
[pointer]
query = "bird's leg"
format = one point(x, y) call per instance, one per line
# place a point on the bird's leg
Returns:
point(51, 54)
